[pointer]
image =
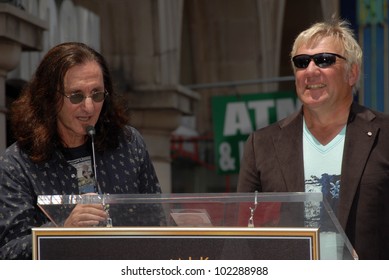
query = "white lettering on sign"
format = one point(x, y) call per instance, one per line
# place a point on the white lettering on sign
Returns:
point(286, 106)
point(237, 117)
point(261, 112)
point(226, 161)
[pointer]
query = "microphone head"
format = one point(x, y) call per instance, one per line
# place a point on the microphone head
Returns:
point(90, 130)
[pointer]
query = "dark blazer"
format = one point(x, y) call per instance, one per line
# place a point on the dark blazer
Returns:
point(273, 162)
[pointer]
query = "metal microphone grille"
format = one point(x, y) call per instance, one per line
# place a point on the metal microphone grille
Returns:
point(90, 130)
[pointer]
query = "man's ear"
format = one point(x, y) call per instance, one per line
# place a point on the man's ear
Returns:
point(353, 74)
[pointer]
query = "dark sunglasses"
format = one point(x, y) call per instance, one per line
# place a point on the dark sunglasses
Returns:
point(322, 60)
point(78, 97)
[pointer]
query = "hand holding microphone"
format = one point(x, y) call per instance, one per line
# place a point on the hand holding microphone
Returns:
point(90, 130)
point(86, 215)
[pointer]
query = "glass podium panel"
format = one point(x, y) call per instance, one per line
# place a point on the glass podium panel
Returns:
point(270, 212)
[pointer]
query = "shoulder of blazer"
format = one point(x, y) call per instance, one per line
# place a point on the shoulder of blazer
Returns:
point(288, 124)
point(283, 130)
point(296, 116)
point(361, 112)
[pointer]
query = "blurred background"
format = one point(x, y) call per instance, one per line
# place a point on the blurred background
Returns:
point(199, 75)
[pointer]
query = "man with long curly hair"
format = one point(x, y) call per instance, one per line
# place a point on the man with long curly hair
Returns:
point(70, 92)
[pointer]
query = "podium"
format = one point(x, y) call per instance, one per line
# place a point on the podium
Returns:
point(200, 226)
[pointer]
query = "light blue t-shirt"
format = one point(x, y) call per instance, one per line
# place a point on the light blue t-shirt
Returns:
point(322, 169)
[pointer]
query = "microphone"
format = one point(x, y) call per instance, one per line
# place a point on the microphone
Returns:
point(90, 130)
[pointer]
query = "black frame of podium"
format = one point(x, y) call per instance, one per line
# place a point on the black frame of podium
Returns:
point(212, 226)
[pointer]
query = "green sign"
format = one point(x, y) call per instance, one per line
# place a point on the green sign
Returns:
point(235, 117)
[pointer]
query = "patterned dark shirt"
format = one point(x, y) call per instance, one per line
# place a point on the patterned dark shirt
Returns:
point(125, 170)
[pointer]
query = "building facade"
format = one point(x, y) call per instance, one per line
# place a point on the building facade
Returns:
point(170, 57)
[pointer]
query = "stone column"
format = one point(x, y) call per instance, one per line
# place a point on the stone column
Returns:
point(9, 58)
point(141, 41)
point(18, 31)
point(156, 112)
point(270, 18)
point(158, 105)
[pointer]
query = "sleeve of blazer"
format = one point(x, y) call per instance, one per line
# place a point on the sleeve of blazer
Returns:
point(249, 177)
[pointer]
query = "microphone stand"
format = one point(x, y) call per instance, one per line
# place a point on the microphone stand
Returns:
point(90, 130)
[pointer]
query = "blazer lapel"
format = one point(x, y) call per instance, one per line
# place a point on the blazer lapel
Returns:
point(289, 149)
point(360, 137)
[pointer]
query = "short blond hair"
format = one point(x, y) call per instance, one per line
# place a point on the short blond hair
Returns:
point(341, 32)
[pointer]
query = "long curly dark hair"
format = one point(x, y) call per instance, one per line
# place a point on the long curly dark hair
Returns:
point(34, 113)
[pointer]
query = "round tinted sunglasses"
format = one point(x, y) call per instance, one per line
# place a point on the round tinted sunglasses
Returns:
point(78, 97)
point(322, 60)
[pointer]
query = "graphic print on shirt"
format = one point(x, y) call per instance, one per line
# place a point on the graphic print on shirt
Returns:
point(86, 181)
point(322, 171)
point(327, 184)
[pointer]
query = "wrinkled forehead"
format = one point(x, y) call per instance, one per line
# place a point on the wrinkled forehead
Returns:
point(309, 41)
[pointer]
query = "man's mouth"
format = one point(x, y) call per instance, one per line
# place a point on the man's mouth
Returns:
point(83, 119)
point(315, 86)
